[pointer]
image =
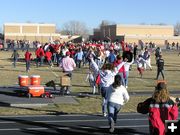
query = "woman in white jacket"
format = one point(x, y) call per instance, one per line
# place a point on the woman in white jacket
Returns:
point(117, 99)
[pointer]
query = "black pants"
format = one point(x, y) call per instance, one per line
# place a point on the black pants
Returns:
point(79, 63)
point(158, 72)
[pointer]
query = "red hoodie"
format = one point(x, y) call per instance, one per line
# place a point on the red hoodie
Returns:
point(39, 52)
point(27, 56)
point(48, 55)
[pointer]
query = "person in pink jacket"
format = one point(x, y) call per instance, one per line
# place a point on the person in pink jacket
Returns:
point(68, 64)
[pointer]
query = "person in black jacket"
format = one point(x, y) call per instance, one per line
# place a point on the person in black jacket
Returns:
point(160, 67)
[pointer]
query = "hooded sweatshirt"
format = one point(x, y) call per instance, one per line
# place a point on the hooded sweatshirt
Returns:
point(107, 76)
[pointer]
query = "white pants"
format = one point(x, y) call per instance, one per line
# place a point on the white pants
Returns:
point(147, 63)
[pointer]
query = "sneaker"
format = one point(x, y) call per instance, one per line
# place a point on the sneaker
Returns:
point(111, 130)
point(68, 92)
point(104, 114)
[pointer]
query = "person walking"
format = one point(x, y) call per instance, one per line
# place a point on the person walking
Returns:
point(118, 97)
point(39, 56)
point(48, 55)
point(157, 53)
point(68, 65)
point(15, 56)
point(160, 107)
point(160, 67)
point(27, 59)
point(79, 57)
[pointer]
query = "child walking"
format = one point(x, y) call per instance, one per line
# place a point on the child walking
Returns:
point(48, 55)
point(15, 56)
point(28, 60)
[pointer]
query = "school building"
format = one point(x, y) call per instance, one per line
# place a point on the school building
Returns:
point(158, 34)
point(34, 32)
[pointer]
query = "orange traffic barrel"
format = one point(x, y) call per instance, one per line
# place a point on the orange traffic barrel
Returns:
point(35, 79)
point(23, 80)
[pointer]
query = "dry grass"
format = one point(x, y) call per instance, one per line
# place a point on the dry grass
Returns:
point(9, 77)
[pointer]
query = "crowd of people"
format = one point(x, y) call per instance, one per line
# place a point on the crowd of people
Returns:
point(109, 65)
point(104, 55)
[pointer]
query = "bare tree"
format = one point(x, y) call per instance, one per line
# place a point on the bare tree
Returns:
point(177, 29)
point(75, 28)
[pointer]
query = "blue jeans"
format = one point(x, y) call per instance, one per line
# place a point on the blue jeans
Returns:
point(41, 60)
point(113, 109)
point(27, 65)
point(122, 78)
point(14, 61)
point(105, 94)
point(37, 61)
point(78, 62)
point(50, 62)
point(54, 57)
point(126, 78)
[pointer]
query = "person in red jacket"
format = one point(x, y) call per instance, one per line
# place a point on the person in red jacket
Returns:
point(28, 60)
point(39, 56)
point(160, 107)
point(48, 55)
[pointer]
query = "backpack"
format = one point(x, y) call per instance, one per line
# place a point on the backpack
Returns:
point(143, 107)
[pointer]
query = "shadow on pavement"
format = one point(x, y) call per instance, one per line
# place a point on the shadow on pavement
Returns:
point(52, 129)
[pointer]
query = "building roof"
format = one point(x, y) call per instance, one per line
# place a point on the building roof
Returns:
point(145, 26)
point(29, 24)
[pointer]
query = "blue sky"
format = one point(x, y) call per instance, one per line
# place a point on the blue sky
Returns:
point(90, 12)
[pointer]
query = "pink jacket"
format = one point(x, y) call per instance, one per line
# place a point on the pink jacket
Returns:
point(67, 64)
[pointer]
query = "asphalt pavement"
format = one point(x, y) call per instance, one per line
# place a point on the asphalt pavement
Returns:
point(127, 124)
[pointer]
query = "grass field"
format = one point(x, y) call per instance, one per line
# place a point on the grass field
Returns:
point(9, 77)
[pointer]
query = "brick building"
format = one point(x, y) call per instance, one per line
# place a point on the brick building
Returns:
point(158, 34)
point(34, 32)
